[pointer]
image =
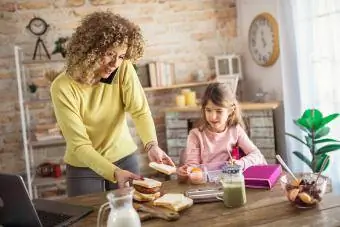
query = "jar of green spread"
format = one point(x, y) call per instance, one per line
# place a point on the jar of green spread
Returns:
point(234, 192)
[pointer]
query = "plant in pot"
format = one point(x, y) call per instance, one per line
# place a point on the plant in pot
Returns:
point(315, 126)
point(309, 189)
point(32, 88)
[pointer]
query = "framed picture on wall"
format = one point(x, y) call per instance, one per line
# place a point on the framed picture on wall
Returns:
point(230, 81)
point(228, 65)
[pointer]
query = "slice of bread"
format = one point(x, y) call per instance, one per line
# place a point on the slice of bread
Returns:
point(141, 197)
point(163, 168)
point(147, 183)
point(173, 201)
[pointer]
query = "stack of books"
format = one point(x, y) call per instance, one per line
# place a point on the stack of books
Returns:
point(161, 74)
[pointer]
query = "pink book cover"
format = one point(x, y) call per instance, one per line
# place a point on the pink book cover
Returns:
point(262, 176)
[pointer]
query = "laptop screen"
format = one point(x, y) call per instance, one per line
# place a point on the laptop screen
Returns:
point(16, 208)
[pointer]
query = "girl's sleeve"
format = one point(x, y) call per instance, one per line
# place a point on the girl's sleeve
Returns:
point(193, 150)
point(253, 155)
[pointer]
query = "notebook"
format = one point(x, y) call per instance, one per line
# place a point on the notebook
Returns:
point(262, 176)
point(16, 208)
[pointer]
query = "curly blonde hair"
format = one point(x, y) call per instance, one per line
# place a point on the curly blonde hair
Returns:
point(220, 95)
point(97, 33)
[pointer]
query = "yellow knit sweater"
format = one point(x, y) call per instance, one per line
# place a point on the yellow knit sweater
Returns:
point(93, 122)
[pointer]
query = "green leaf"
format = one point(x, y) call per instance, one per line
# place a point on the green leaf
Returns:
point(322, 132)
point(327, 148)
point(309, 141)
point(319, 159)
point(328, 119)
point(303, 158)
point(313, 118)
point(297, 138)
point(301, 126)
point(312, 113)
point(326, 141)
point(303, 123)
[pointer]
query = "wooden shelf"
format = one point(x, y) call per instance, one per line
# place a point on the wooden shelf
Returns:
point(41, 181)
point(37, 101)
point(47, 61)
point(244, 106)
point(195, 84)
point(44, 143)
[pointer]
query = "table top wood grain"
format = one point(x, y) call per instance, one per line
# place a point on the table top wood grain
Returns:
point(263, 208)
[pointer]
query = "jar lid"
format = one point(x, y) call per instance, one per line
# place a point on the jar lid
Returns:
point(231, 168)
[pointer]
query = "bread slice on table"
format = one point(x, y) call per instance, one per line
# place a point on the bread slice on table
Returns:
point(142, 197)
point(147, 183)
point(146, 189)
point(174, 201)
point(163, 168)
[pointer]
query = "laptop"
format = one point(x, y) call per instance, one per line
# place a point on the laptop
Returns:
point(16, 208)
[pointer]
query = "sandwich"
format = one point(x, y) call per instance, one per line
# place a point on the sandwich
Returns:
point(174, 201)
point(146, 190)
point(163, 168)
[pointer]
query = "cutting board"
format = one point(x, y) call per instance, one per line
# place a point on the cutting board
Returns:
point(148, 211)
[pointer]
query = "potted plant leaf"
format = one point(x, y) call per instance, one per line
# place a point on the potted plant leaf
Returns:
point(314, 125)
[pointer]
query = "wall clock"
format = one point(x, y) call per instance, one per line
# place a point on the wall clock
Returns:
point(38, 27)
point(263, 40)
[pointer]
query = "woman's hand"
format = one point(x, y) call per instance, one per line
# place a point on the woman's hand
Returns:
point(122, 177)
point(156, 154)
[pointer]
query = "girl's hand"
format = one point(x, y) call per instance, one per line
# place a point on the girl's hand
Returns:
point(232, 161)
point(123, 177)
point(182, 171)
point(182, 174)
point(156, 154)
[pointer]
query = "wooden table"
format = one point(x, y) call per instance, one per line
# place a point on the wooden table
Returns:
point(264, 207)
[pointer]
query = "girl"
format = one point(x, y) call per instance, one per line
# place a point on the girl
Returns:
point(220, 130)
point(90, 100)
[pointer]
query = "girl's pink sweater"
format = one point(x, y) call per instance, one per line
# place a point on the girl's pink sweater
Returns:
point(208, 147)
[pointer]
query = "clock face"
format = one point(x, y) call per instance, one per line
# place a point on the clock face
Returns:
point(37, 26)
point(263, 40)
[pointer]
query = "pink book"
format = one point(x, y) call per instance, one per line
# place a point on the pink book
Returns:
point(262, 176)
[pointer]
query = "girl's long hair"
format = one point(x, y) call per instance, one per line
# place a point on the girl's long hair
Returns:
point(220, 95)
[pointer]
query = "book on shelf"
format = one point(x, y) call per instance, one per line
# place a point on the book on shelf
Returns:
point(161, 74)
point(43, 132)
point(44, 137)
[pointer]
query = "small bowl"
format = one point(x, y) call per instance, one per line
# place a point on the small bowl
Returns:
point(306, 193)
point(197, 175)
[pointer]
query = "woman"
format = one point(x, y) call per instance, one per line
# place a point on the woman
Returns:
point(90, 100)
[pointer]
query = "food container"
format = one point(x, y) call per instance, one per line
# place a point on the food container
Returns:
point(206, 173)
point(306, 192)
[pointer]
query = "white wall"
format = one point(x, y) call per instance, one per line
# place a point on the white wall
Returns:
point(269, 79)
point(255, 76)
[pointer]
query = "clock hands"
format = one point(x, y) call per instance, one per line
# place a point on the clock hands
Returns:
point(263, 40)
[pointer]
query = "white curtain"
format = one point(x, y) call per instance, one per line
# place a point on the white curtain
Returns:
point(310, 52)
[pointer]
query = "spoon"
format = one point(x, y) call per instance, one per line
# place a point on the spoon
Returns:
point(322, 168)
point(278, 157)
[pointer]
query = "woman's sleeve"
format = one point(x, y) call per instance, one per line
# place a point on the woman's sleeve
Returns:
point(136, 104)
point(253, 155)
point(193, 150)
point(74, 131)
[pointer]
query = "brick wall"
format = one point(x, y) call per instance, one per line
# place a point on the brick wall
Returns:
point(182, 32)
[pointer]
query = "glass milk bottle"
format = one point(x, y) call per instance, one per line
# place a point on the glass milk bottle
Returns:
point(234, 192)
point(122, 213)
